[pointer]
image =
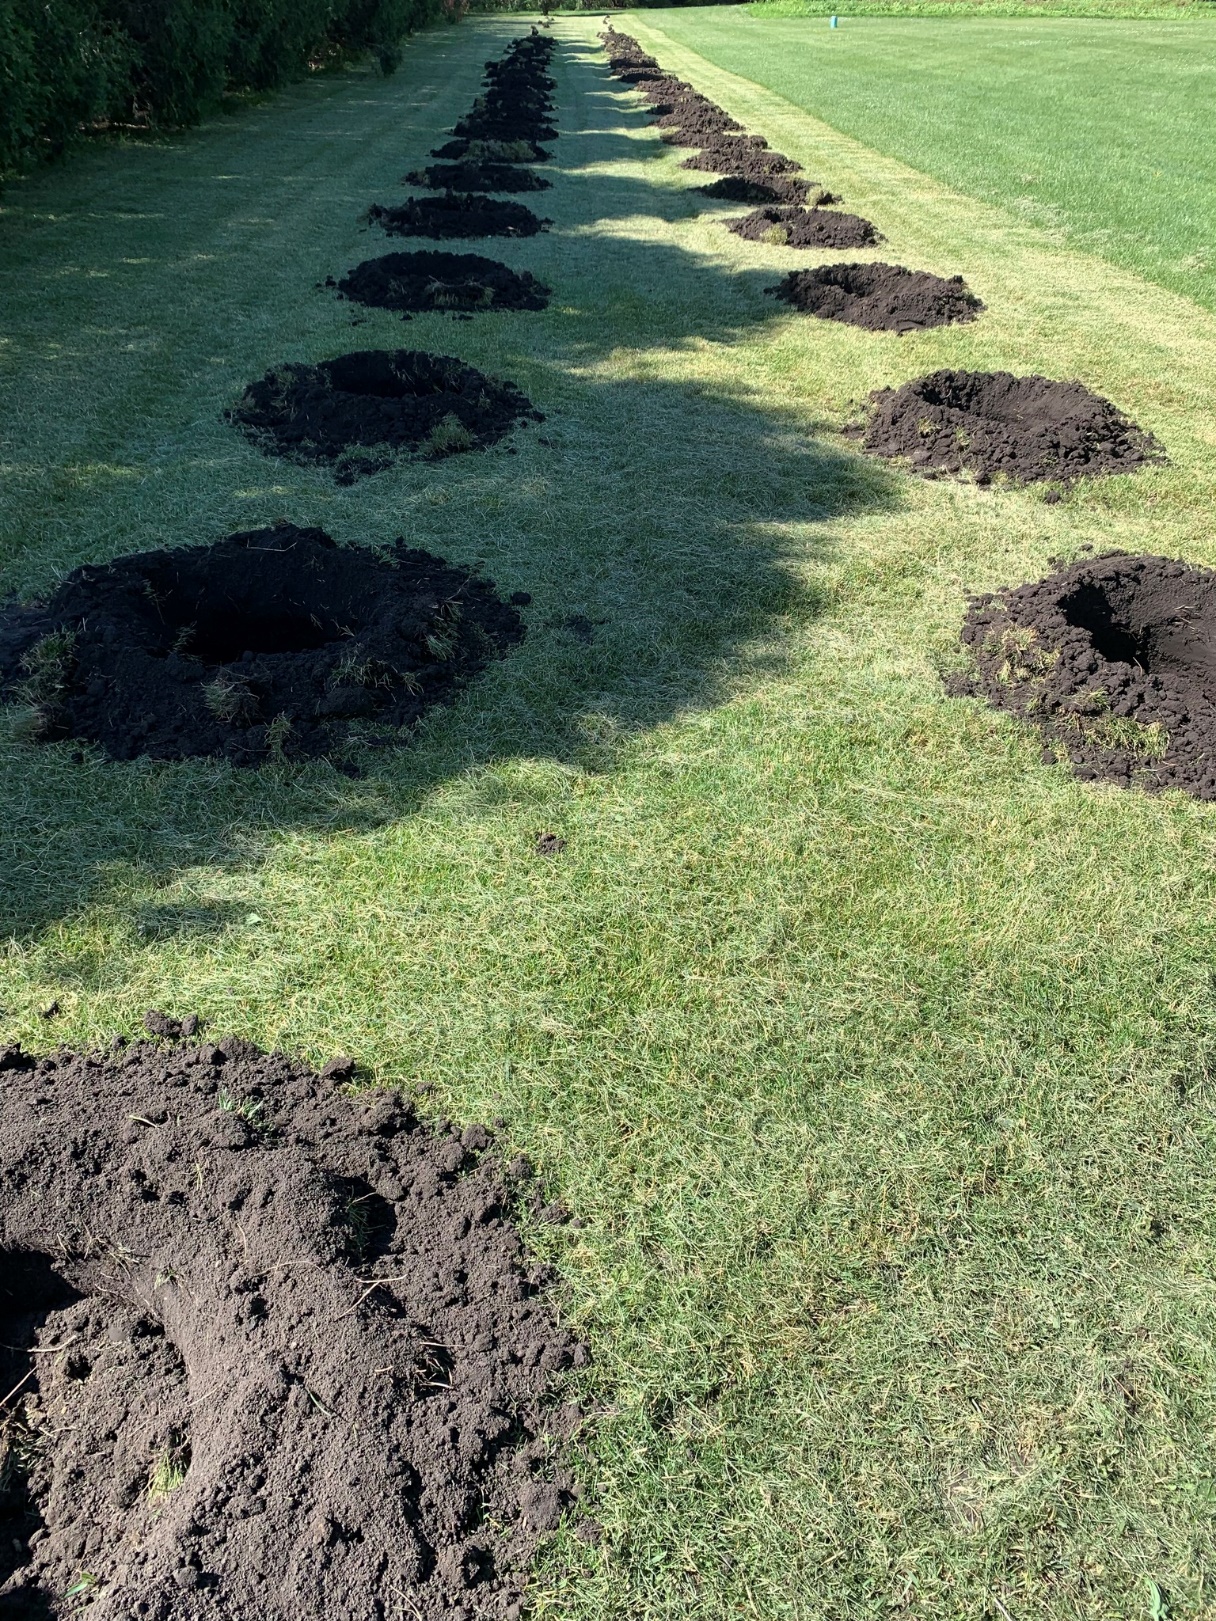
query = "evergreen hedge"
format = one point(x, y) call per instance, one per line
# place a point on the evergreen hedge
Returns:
point(66, 65)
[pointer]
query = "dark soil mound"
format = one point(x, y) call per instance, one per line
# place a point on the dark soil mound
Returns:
point(358, 409)
point(478, 177)
point(881, 298)
point(745, 155)
point(269, 642)
point(805, 228)
point(456, 216)
point(990, 423)
point(493, 151)
point(776, 189)
point(1114, 659)
point(461, 282)
point(269, 1349)
point(690, 124)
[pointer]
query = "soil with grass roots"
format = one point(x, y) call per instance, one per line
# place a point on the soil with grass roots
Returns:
point(274, 642)
point(222, 1414)
point(805, 228)
point(1114, 660)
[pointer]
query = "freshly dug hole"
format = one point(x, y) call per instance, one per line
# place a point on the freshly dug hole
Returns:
point(878, 297)
point(456, 216)
point(460, 282)
point(992, 423)
point(356, 410)
point(223, 1414)
point(805, 228)
point(477, 177)
point(270, 642)
point(1114, 658)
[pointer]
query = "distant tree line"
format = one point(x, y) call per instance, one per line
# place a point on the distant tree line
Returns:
point(73, 65)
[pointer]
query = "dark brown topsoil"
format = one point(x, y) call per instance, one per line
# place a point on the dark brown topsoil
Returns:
point(805, 228)
point(1114, 658)
point(456, 216)
point(463, 283)
point(881, 298)
point(220, 1412)
point(357, 409)
point(992, 423)
point(492, 151)
point(478, 177)
point(776, 188)
point(747, 155)
point(689, 123)
point(271, 641)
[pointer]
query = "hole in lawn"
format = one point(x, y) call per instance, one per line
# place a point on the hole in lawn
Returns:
point(461, 283)
point(357, 410)
point(878, 297)
point(1115, 659)
point(456, 215)
point(271, 642)
point(993, 423)
point(369, 1403)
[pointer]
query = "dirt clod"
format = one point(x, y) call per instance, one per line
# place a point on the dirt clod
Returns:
point(463, 283)
point(357, 410)
point(456, 215)
point(1114, 658)
point(805, 228)
point(271, 642)
point(881, 298)
point(993, 424)
point(274, 1349)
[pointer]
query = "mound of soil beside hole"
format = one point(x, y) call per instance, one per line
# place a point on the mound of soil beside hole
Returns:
point(477, 177)
point(993, 424)
point(278, 1350)
point(464, 283)
point(493, 151)
point(490, 125)
point(356, 410)
point(776, 189)
point(745, 155)
point(456, 216)
point(878, 297)
point(805, 228)
point(685, 125)
point(271, 642)
point(1114, 659)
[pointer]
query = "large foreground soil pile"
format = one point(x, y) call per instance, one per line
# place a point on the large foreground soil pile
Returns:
point(478, 177)
point(990, 423)
point(881, 298)
point(456, 216)
point(272, 641)
point(356, 410)
point(463, 283)
point(274, 1349)
point(805, 228)
point(1114, 659)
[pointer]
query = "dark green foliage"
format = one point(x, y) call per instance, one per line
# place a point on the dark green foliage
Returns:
point(70, 64)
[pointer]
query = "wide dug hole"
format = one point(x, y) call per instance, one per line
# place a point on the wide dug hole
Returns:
point(994, 424)
point(456, 215)
point(1114, 658)
point(271, 642)
point(462, 283)
point(878, 297)
point(357, 410)
point(478, 177)
point(805, 228)
point(280, 1351)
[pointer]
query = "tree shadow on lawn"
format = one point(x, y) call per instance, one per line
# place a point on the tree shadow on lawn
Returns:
point(648, 600)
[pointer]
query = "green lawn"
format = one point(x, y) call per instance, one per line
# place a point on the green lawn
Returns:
point(1099, 130)
point(874, 1055)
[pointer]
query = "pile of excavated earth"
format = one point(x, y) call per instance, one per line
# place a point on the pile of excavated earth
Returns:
point(1106, 657)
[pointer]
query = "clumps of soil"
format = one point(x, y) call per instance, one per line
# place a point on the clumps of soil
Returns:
point(992, 424)
point(462, 283)
point(736, 188)
point(878, 297)
point(269, 1347)
point(478, 177)
point(516, 104)
point(357, 410)
point(1114, 658)
point(746, 155)
point(805, 228)
point(271, 643)
point(492, 151)
point(688, 123)
point(456, 216)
